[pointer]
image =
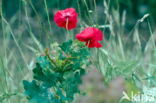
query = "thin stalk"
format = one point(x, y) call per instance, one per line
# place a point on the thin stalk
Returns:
point(79, 11)
point(91, 20)
point(151, 33)
point(68, 32)
point(95, 10)
point(31, 33)
point(121, 47)
point(3, 68)
point(46, 8)
point(14, 38)
point(5, 76)
point(38, 17)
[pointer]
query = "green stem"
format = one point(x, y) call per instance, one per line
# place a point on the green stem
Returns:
point(47, 54)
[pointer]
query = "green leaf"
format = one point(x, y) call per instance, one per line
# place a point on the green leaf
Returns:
point(66, 46)
point(56, 78)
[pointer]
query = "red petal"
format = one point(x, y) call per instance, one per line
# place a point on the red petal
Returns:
point(98, 34)
point(93, 44)
point(86, 34)
point(67, 16)
point(90, 33)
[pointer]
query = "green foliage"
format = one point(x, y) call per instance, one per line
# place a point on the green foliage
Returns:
point(6, 96)
point(137, 8)
point(112, 67)
point(57, 76)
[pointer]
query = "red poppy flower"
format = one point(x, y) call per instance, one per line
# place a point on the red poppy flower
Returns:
point(91, 36)
point(66, 18)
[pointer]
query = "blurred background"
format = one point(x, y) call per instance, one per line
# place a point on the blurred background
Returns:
point(27, 28)
point(134, 8)
point(19, 12)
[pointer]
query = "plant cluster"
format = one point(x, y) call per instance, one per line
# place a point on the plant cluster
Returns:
point(57, 75)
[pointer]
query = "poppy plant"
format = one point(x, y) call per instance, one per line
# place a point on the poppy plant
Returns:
point(67, 18)
point(91, 36)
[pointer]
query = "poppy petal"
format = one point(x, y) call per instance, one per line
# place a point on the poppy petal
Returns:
point(93, 44)
point(67, 18)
